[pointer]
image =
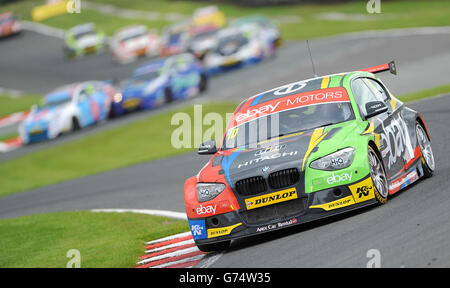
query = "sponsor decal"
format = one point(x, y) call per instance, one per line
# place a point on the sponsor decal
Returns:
point(346, 201)
point(270, 149)
point(330, 95)
point(337, 178)
point(396, 141)
point(222, 231)
point(264, 157)
point(271, 198)
point(198, 229)
point(363, 190)
point(276, 225)
point(210, 209)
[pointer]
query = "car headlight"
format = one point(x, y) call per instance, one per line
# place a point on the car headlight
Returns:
point(208, 191)
point(335, 161)
point(117, 98)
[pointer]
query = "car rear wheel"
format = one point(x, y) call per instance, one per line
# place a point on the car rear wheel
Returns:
point(425, 150)
point(75, 124)
point(378, 175)
point(168, 97)
point(203, 85)
point(220, 246)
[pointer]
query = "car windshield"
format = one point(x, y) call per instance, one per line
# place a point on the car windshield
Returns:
point(82, 34)
point(132, 35)
point(54, 103)
point(287, 122)
point(231, 44)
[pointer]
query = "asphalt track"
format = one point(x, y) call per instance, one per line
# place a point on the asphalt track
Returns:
point(412, 230)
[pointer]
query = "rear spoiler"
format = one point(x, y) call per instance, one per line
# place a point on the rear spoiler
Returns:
point(381, 68)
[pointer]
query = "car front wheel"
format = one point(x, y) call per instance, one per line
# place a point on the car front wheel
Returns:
point(378, 175)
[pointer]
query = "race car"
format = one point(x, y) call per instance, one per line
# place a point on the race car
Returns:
point(202, 40)
point(269, 30)
point(68, 108)
point(160, 81)
point(9, 25)
point(83, 39)
point(238, 47)
point(175, 38)
point(305, 151)
point(135, 41)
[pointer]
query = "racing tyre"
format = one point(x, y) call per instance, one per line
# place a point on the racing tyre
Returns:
point(168, 97)
point(75, 124)
point(214, 247)
point(203, 83)
point(425, 150)
point(378, 175)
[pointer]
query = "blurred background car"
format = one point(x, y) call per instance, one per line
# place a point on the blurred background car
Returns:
point(267, 27)
point(132, 42)
point(68, 108)
point(175, 38)
point(238, 47)
point(9, 25)
point(83, 39)
point(160, 81)
point(202, 40)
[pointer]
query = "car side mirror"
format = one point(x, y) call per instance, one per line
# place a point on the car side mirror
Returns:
point(375, 108)
point(207, 148)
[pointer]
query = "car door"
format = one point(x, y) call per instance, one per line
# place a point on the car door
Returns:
point(399, 148)
point(185, 78)
point(364, 93)
point(89, 108)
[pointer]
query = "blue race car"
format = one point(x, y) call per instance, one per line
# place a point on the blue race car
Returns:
point(68, 108)
point(161, 81)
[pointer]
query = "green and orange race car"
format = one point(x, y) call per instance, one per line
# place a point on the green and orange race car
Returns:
point(305, 151)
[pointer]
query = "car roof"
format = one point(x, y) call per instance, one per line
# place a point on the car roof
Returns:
point(82, 28)
point(61, 93)
point(149, 67)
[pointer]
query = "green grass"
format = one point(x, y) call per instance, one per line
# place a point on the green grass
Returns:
point(8, 136)
point(395, 14)
point(108, 23)
point(9, 105)
point(106, 240)
point(132, 143)
point(425, 93)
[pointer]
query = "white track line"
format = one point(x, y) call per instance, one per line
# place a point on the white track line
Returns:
point(168, 255)
point(43, 29)
point(194, 258)
point(169, 246)
point(169, 238)
point(163, 213)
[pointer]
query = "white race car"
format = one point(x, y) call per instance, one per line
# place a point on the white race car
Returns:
point(135, 41)
point(68, 108)
point(237, 47)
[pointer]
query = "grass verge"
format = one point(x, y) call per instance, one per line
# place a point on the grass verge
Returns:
point(309, 21)
point(443, 89)
point(9, 105)
point(105, 240)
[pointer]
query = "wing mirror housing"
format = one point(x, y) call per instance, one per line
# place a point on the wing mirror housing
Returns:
point(375, 108)
point(207, 148)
